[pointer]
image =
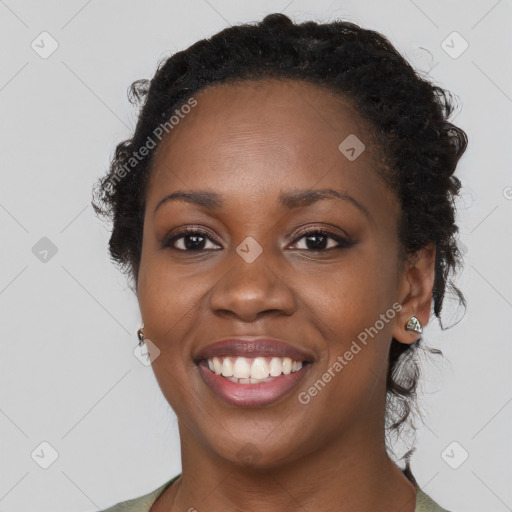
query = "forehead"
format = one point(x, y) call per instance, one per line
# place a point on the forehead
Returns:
point(261, 137)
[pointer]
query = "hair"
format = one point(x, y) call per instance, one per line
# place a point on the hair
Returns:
point(406, 114)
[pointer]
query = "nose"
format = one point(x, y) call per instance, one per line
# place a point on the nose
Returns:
point(248, 290)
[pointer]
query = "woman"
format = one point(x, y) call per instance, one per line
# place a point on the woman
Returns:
point(284, 211)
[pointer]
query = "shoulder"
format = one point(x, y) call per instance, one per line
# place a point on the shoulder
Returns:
point(142, 503)
point(425, 503)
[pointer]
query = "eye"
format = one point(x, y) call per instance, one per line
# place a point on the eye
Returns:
point(191, 240)
point(196, 240)
point(317, 240)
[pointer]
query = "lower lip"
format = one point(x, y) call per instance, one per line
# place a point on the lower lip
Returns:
point(252, 395)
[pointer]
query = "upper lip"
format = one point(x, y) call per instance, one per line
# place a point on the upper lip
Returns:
point(253, 346)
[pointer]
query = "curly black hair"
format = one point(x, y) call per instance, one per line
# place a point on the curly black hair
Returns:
point(406, 114)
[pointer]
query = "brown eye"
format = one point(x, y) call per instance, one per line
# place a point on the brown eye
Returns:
point(191, 240)
point(196, 240)
point(317, 240)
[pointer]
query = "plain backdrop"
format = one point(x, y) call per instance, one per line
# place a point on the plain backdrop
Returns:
point(72, 394)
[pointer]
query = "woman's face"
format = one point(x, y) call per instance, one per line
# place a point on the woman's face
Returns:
point(253, 271)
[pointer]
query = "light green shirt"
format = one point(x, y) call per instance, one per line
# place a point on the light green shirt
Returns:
point(423, 502)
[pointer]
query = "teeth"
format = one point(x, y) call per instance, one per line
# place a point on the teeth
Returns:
point(276, 366)
point(287, 366)
point(260, 369)
point(247, 370)
point(227, 367)
point(217, 366)
point(241, 368)
point(249, 381)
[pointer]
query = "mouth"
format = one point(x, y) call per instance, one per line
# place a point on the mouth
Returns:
point(252, 371)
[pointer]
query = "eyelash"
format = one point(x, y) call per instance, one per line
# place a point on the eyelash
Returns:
point(342, 242)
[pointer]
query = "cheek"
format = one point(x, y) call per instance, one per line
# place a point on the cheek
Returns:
point(166, 300)
point(354, 306)
point(352, 295)
point(163, 299)
point(164, 294)
point(168, 303)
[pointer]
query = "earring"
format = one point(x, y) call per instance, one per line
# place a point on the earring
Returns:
point(413, 325)
point(140, 335)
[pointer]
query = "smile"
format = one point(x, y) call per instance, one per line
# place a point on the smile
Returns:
point(249, 370)
point(252, 382)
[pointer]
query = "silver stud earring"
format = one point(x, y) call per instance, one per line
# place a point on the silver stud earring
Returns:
point(413, 325)
point(140, 335)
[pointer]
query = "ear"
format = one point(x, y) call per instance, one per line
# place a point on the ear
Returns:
point(416, 284)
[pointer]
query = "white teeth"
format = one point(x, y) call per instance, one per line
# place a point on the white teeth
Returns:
point(249, 381)
point(241, 368)
point(227, 367)
point(260, 368)
point(217, 366)
point(252, 370)
point(276, 367)
point(287, 366)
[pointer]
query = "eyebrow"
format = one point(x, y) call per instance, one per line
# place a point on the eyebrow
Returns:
point(290, 200)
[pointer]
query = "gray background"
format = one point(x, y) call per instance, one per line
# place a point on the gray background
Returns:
point(68, 375)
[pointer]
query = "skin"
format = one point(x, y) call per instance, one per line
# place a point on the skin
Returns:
point(249, 142)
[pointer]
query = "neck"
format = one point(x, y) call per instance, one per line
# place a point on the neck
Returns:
point(348, 474)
